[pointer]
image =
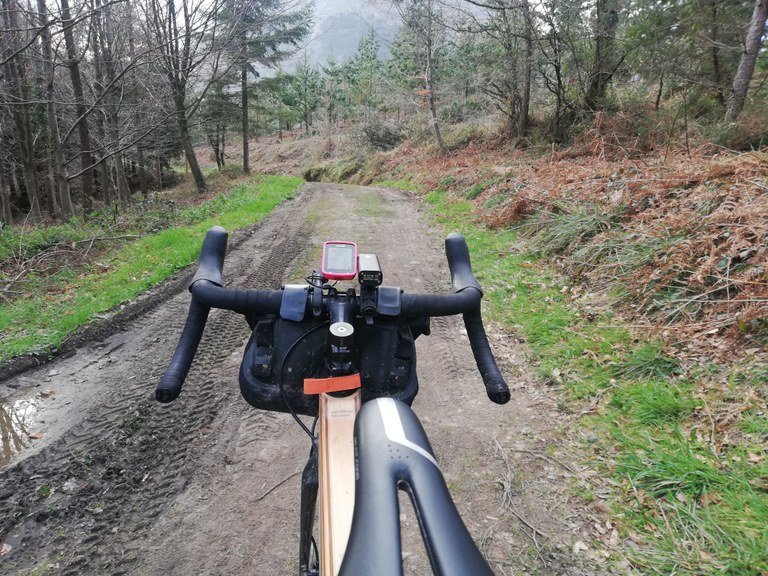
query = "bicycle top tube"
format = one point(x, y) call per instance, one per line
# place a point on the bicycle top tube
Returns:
point(393, 452)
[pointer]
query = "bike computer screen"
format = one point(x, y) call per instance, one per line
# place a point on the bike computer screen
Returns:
point(339, 260)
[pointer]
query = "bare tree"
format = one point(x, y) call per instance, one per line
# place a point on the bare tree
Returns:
point(105, 39)
point(61, 181)
point(746, 68)
point(6, 212)
point(18, 94)
point(188, 41)
point(82, 111)
point(510, 25)
point(422, 22)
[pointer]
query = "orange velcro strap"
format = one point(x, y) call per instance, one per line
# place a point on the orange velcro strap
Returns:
point(335, 384)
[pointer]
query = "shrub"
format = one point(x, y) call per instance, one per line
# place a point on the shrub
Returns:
point(462, 137)
point(564, 229)
point(333, 170)
point(377, 135)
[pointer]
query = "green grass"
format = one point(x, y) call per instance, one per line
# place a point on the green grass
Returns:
point(654, 402)
point(693, 498)
point(21, 242)
point(699, 512)
point(756, 424)
point(526, 297)
point(474, 191)
point(406, 185)
point(41, 323)
point(647, 361)
point(564, 230)
point(620, 253)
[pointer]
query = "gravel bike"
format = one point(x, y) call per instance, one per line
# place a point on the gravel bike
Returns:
point(348, 359)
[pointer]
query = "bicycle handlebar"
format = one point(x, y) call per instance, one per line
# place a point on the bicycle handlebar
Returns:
point(209, 269)
point(169, 387)
point(208, 292)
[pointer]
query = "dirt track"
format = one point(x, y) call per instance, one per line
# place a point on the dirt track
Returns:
point(118, 484)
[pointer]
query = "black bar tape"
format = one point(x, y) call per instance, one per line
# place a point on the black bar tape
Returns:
point(414, 305)
point(169, 387)
point(495, 386)
point(241, 301)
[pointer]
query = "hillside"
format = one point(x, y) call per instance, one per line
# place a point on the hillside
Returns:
point(675, 240)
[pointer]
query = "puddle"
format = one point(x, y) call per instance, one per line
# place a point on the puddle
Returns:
point(16, 420)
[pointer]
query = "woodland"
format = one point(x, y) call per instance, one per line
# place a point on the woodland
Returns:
point(99, 98)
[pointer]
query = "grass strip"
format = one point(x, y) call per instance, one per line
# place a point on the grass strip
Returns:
point(683, 453)
point(40, 323)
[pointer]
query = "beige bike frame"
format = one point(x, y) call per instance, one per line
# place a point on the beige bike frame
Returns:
point(336, 477)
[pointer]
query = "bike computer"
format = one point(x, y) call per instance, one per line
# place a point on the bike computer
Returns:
point(339, 260)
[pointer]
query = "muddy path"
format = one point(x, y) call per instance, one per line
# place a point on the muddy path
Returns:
point(118, 484)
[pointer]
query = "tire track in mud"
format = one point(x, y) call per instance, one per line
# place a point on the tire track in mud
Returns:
point(79, 504)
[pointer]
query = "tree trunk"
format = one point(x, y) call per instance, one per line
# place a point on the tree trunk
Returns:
point(186, 143)
point(717, 68)
point(123, 189)
point(159, 169)
point(431, 95)
point(73, 63)
point(605, 58)
point(659, 93)
point(6, 216)
point(525, 102)
point(17, 84)
point(142, 171)
point(223, 143)
point(214, 139)
point(246, 129)
point(112, 100)
point(103, 174)
point(60, 168)
point(746, 68)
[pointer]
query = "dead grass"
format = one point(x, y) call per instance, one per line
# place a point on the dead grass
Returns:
point(690, 245)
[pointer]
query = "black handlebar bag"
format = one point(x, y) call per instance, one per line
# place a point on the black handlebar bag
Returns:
point(283, 350)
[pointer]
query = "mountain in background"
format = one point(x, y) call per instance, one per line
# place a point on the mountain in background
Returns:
point(340, 24)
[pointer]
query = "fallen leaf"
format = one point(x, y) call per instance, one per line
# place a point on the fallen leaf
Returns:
point(613, 541)
point(706, 557)
point(34, 436)
point(579, 547)
point(709, 498)
point(5, 549)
